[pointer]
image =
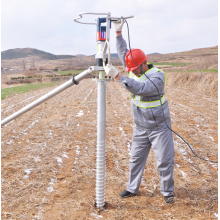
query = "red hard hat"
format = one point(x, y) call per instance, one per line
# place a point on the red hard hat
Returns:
point(138, 56)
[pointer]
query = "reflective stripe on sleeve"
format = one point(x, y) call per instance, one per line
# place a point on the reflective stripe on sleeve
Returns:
point(137, 99)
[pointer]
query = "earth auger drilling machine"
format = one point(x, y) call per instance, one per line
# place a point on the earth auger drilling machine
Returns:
point(103, 38)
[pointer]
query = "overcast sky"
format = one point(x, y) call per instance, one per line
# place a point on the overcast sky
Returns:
point(158, 25)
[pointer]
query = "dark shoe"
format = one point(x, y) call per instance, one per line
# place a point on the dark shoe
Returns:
point(126, 194)
point(169, 199)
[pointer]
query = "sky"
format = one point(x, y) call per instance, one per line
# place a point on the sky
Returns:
point(158, 26)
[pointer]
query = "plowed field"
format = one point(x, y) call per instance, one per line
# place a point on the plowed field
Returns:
point(49, 157)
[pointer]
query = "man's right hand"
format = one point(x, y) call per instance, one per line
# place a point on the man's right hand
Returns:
point(111, 70)
point(118, 24)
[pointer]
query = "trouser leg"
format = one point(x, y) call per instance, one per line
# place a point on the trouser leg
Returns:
point(139, 151)
point(163, 147)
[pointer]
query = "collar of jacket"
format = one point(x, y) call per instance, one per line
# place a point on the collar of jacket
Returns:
point(150, 66)
point(143, 76)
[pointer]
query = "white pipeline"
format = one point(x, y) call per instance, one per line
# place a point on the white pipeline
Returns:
point(47, 96)
point(100, 156)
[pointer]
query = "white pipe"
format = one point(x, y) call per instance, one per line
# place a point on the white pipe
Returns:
point(47, 96)
point(118, 18)
point(101, 130)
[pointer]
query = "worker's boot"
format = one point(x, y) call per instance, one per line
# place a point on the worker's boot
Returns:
point(126, 194)
point(169, 199)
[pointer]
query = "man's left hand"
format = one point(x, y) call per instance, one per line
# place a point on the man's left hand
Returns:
point(111, 70)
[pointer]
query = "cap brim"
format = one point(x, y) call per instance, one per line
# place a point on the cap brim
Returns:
point(127, 69)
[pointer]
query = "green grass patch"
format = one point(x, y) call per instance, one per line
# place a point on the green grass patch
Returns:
point(172, 64)
point(193, 71)
point(69, 72)
point(23, 89)
point(204, 70)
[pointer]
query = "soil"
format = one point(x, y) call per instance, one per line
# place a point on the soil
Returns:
point(49, 157)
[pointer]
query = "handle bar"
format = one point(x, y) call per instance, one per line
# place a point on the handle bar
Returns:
point(90, 13)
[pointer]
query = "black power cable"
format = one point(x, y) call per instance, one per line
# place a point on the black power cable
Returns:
point(161, 103)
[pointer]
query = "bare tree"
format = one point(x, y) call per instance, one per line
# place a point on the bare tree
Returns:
point(33, 62)
point(24, 65)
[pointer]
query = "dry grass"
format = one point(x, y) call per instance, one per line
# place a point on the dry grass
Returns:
point(202, 82)
point(46, 132)
point(46, 80)
point(29, 73)
point(36, 139)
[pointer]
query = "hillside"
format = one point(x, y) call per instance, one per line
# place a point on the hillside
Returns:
point(48, 155)
point(27, 52)
point(30, 52)
point(196, 69)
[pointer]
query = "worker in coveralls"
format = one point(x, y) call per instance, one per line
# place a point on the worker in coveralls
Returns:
point(150, 128)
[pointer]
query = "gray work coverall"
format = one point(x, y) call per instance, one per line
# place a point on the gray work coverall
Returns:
point(150, 128)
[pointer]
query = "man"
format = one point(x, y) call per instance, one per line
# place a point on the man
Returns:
point(150, 127)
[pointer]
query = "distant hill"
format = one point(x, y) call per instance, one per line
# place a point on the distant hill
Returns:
point(80, 55)
point(154, 53)
point(114, 55)
point(26, 52)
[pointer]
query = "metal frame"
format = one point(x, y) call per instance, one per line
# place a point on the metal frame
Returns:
point(91, 13)
point(101, 106)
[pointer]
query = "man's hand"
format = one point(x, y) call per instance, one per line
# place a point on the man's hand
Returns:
point(118, 24)
point(111, 70)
